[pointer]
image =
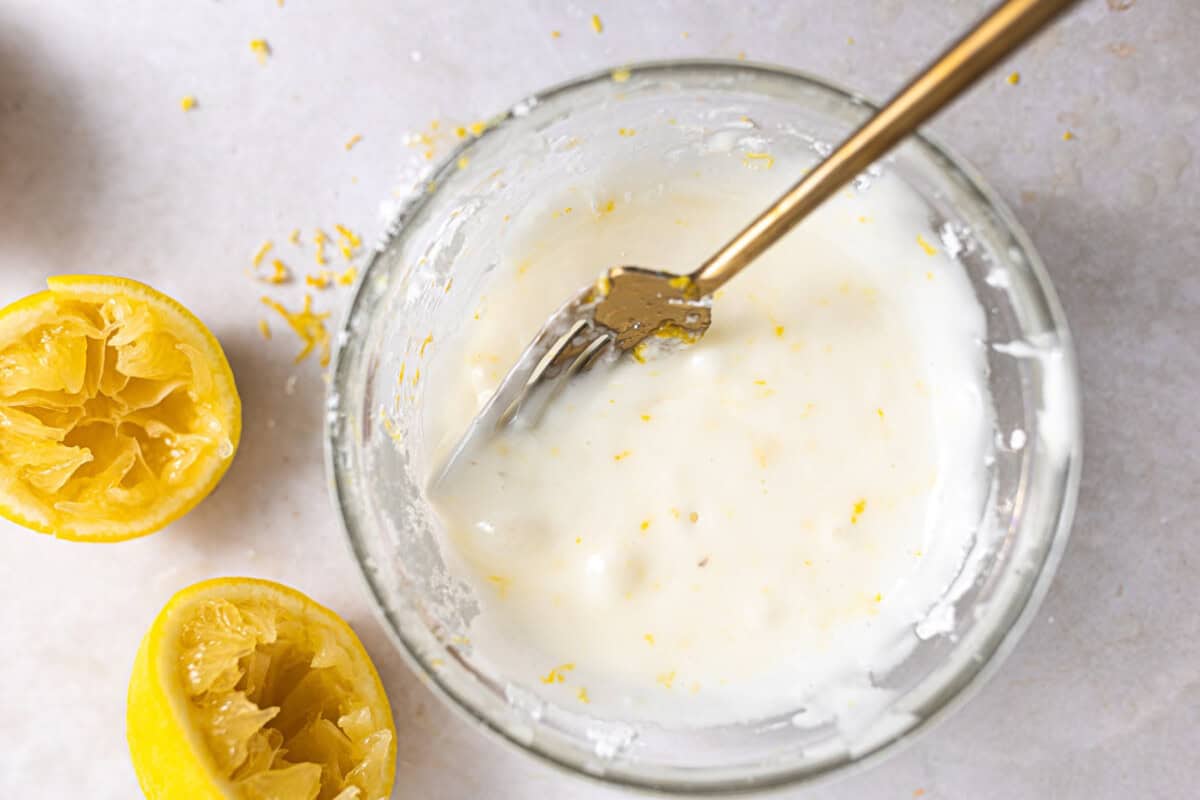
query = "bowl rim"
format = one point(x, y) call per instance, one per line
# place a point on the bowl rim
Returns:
point(946, 699)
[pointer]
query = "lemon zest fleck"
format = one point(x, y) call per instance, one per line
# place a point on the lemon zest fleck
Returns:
point(693, 517)
point(1067, 136)
point(680, 282)
point(779, 331)
point(261, 49)
point(597, 25)
point(621, 75)
point(555, 34)
point(583, 695)
point(427, 341)
point(501, 583)
point(319, 280)
point(262, 251)
point(477, 128)
point(319, 239)
point(308, 325)
point(558, 674)
point(353, 140)
point(621, 456)
point(666, 679)
point(626, 131)
point(645, 417)
point(187, 102)
point(649, 637)
point(279, 273)
point(294, 236)
point(463, 161)
point(1014, 78)
point(752, 159)
point(348, 276)
point(929, 249)
point(645, 526)
point(859, 507)
point(264, 329)
point(350, 236)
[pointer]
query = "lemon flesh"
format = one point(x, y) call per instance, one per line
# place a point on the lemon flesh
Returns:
point(247, 689)
point(118, 410)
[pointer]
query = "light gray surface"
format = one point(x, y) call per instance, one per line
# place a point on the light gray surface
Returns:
point(101, 171)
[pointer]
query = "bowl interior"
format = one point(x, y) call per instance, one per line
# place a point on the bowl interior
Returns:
point(380, 453)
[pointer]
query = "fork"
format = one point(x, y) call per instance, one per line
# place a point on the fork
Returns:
point(642, 311)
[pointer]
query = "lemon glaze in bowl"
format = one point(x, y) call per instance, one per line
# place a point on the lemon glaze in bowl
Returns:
point(379, 455)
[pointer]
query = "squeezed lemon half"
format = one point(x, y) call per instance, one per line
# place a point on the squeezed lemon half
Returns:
point(118, 410)
point(247, 689)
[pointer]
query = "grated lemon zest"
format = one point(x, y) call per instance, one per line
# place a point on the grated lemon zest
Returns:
point(929, 249)
point(264, 329)
point(752, 159)
point(309, 326)
point(279, 273)
point(187, 102)
point(353, 140)
point(261, 49)
point(597, 25)
point(621, 75)
point(558, 674)
point(262, 251)
point(319, 239)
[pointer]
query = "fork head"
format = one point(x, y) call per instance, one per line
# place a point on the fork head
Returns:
point(627, 310)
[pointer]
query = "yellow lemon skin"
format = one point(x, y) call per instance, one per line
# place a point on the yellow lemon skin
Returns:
point(170, 753)
point(118, 409)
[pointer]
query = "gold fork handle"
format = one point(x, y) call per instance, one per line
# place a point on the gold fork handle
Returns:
point(1001, 32)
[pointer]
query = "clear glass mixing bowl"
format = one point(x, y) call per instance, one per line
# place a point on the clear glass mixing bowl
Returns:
point(379, 459)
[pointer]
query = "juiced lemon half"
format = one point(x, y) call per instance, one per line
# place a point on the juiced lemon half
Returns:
point(118, 410)
point(247, 689)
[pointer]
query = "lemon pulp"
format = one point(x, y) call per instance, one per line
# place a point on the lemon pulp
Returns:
point(280, 704)
point(117, 409)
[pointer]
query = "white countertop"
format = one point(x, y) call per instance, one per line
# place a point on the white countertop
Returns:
point(101, 171)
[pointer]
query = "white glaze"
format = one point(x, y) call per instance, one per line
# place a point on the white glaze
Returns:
point(749, 526)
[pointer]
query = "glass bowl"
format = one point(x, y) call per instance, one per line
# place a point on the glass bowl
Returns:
point(378, 453)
